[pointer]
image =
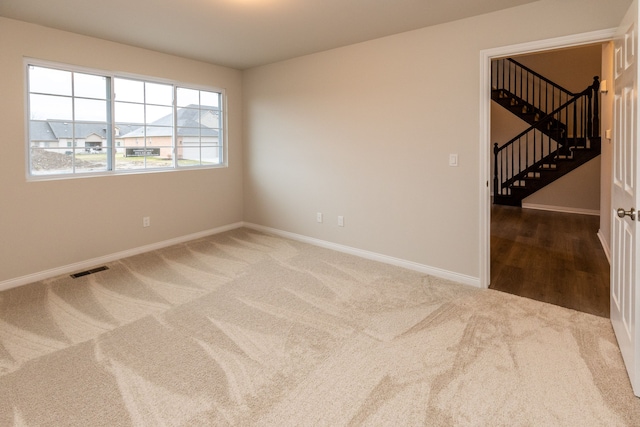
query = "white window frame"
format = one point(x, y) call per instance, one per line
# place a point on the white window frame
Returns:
point(111, 75)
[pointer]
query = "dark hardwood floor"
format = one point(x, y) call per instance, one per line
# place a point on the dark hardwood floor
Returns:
point(551, 257)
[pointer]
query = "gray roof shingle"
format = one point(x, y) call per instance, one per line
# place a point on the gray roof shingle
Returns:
point(189, 121)
point(54, 130)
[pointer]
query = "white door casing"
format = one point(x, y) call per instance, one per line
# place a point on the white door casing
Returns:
point(625, 309)
point(486, 144)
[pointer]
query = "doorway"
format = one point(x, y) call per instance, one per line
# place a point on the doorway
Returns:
point(485, 115)
point(549, 250)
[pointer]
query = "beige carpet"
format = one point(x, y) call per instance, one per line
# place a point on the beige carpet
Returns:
point(248, 329)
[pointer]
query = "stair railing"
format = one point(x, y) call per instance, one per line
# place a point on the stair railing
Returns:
point(570, 126)
point(536, 90)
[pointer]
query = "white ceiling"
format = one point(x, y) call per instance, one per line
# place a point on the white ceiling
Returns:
point(244, 33)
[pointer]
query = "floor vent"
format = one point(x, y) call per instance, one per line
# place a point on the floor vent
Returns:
point(87, 272)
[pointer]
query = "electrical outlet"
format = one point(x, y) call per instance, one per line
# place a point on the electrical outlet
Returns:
point(146, 221)
point(340, 221)
point(319, 217)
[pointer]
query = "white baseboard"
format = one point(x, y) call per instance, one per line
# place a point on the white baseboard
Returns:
point(84, 265)
point(605, 246)
point(410, 265)
point(562, 209)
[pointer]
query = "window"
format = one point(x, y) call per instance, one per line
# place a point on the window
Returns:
point(86, 122)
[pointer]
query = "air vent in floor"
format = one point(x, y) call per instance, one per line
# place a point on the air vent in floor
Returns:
point(87, 272)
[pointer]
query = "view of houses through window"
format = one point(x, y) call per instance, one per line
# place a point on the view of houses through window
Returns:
point(81, 122)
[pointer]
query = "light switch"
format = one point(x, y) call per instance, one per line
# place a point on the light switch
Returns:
point(607, 133)
point(453, 160)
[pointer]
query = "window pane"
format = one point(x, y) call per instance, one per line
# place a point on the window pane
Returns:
point(211, 155)
point(126, 112)
point(90, 86)
point(160, 94)
point(198, 130)
point(42, 107)
point(193, 117)
point(48, 80)
point(187, 97)
point(159, 115)
point(211, 99)
point(193, 155)
point(90, 109)
point(128, 90)
point(210, 136)
point(211, 118)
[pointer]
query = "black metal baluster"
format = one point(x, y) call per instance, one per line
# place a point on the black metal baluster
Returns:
point(495, 169)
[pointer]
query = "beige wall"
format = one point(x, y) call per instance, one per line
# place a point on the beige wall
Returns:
point(365, 131)
point(572, 68)
point(50, 224)
point(578, 191)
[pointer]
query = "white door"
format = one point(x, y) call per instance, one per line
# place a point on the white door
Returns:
point(625, 298)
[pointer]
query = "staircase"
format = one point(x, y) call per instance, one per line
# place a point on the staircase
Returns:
point(563, 132)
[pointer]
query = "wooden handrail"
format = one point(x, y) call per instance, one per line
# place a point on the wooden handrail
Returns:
point(541, 77)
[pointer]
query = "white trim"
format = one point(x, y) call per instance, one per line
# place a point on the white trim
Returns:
point(374, 256)
point(83, 265)
point(111, 101)
point(486, 56)
point(486, 179)
point(605, 246)
point(562, 209)
point(572, 40)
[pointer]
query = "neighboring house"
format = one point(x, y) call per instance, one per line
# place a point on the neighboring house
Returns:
point(198, 129)
point(56, 135)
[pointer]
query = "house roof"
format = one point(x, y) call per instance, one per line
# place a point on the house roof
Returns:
point(189, 122)
point(82, 130)
point(41, 131)
point(54, 130)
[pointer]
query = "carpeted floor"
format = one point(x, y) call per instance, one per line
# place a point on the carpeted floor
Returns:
point(245, 329)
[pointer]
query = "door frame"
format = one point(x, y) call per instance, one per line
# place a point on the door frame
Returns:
point(486, 178)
